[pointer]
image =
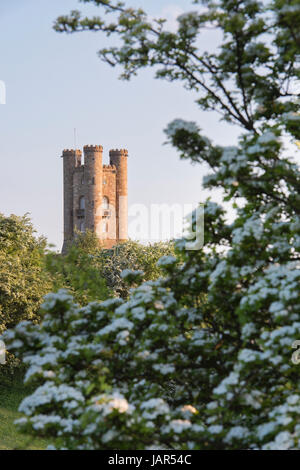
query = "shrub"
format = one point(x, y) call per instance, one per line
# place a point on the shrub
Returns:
point(77, 271)
point(133, 256)
point(23, 281)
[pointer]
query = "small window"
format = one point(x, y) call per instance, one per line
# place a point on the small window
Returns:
point(82, 203)
point(105, 203)
point(105, 227)
point(93, 180)
point(82, 227)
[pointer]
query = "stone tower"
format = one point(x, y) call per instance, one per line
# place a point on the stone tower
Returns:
point(95, 195)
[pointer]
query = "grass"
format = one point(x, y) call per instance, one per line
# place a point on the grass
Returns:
point(11, 395)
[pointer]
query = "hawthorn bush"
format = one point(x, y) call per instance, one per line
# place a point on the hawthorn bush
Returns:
point(134, 256)
point(76, 270)
point(90, 272)
point(23, 280)
point(200, 358)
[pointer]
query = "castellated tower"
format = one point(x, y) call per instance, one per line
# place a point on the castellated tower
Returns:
point(95, 195)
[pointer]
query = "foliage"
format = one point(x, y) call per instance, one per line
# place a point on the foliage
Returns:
point(221, 324)
point(91, 272)
point(76, 270)
point(249, 79)
point(23, 282)
point(133, 256)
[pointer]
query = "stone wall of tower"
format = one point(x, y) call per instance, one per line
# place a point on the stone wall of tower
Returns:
point(93, 177)
point(78, 193)
point(95, 195)
point(71, 159)
point(109, 227)
point(118, 158)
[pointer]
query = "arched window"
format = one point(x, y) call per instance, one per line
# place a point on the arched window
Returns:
point(105, 203)
point(81, 203)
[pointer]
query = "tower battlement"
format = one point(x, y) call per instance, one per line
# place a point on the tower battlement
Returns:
point(93, 148)
point(121, 151)
point(95, 195)
point(71, 152)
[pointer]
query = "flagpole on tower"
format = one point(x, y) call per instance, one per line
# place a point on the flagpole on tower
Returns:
point(75, 138)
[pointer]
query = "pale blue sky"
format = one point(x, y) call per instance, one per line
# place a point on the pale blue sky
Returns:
point(56, 82)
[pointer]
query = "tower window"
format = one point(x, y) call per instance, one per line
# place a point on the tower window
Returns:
point(105, 227)
point(82, 203)
point(105, 203)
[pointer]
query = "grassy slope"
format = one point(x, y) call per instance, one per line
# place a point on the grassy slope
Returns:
point(10, 397)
